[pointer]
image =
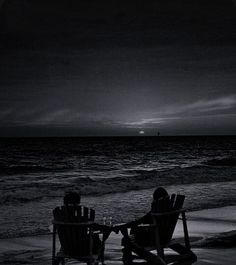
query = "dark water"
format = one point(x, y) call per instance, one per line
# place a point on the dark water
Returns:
point(36, 173)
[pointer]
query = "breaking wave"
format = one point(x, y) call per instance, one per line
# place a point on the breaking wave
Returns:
point(226, 161)
point(221, 240)
point(40, 187)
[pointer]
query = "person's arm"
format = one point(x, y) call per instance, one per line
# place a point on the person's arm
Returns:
point(143, 220)
point(102, 228)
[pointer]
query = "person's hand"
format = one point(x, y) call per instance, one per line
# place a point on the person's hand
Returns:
point(119, 227)
point(116, 229)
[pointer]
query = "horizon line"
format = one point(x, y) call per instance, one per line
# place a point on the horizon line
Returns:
point(121, 136)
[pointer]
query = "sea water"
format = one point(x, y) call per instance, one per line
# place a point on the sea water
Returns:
point(115, 175)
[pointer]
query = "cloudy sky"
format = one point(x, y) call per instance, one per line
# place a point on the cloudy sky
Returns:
point(109, 72)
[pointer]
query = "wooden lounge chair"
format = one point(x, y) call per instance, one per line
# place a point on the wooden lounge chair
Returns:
point(165, 214)
point(75, 227)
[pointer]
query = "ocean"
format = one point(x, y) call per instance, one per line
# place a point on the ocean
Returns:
point(115, 175)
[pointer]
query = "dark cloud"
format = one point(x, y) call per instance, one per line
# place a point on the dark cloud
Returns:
point(64, 71)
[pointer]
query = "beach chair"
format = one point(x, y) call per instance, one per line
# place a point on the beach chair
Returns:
point(158, 236)
point(76, 230)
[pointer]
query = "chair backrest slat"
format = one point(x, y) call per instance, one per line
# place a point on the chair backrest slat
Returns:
point(86, 213)
point(79, 212)
point(172, 199)
point(92, 215)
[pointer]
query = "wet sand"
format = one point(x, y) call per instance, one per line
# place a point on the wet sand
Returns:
point(207, 230)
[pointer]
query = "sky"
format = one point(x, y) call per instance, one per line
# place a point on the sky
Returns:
point(95, 70)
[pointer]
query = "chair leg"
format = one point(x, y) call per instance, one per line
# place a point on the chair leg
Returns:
point(102, 258)
point(62, 260)
point(142, 253)
point(127, 253)
point(127, 256)
point(57, 261)
point(182, 263)
point(185, 253)
point(92, 263)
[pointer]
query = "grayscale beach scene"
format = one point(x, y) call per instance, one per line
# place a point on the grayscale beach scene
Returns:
point(113, 112)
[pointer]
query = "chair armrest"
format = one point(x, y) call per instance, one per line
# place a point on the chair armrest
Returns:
point(129, 225)
point(97, 232)
point(123, 228)
point(169, 213)
point(122, 225)
point(146, 225)
point(54, 222)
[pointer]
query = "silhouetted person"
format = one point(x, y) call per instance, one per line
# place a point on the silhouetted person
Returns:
point(144, 234)
point(72, 198)
point(147, 218)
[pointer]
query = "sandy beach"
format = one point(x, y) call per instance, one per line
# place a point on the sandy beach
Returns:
point(212, 232)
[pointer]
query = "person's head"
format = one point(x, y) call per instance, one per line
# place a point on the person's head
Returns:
point(159, 193)
point(72, 198)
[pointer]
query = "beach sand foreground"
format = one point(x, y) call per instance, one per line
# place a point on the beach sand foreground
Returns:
point(213, 233)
